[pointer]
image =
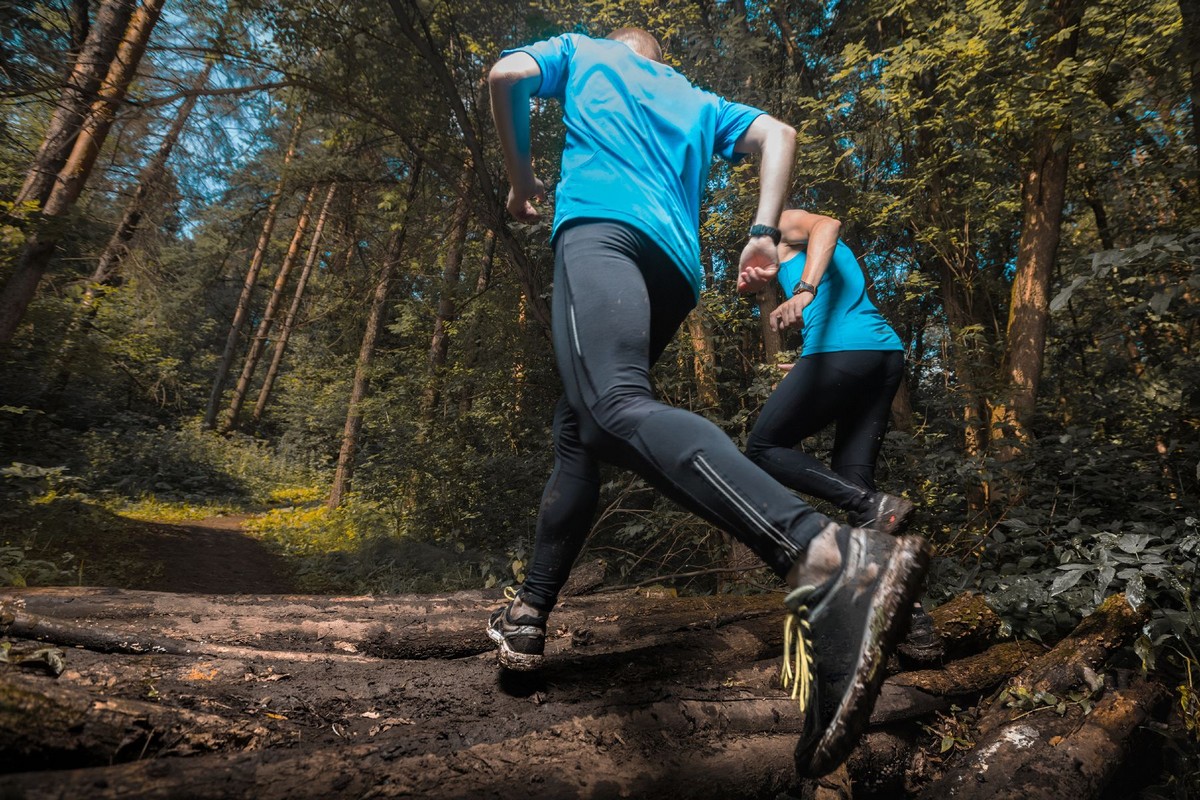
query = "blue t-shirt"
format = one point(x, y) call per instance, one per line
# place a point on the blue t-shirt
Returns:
point(841, 316)
point(640, 140)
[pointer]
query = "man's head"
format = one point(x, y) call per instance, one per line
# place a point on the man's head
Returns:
point(639, 42)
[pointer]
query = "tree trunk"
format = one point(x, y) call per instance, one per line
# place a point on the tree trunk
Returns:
point(768, 301)
point(115, 250)
point(1043, 192)
point(289, 322)
point(99, 733)
point(439, 345)
point(242, 311)
point(39, 248)
point(117, 247)
point(1190, 11)
point(366, 351)
point(902, 411)
point(263, 331)
point(1061, 752)
point(414, 27)
point(518, 370)
point(79, 92)
point(968, 355)
point(473, 343)
point(704, 360)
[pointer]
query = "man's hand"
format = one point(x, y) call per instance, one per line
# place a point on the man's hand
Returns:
point(791, 313)
point(758, 266)
point(520, 197)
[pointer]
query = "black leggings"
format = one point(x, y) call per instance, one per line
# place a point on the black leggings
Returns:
point(852, 389)
point(618, 300)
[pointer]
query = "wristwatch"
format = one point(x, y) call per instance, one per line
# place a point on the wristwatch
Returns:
point(804, 286)
point(766, 230)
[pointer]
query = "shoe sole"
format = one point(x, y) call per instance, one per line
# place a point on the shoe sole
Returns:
point(925, 655)
point(897, 590)
point(511, 659)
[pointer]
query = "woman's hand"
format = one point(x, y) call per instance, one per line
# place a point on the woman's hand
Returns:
point(791, 313)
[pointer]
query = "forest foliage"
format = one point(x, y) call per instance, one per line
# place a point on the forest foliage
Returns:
point(1022, 181)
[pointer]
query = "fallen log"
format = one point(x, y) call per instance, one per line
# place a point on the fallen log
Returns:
point(1037, 740)
point(671, 696)
point(400, 627)
point(40, 721)
point(972, 674)
point(966, 624)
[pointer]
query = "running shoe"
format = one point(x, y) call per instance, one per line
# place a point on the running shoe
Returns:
point(885, 513)
point(922, 647)
point(840, 634)
point(521, 641)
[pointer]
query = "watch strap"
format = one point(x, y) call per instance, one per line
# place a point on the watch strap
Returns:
point(804, 286)
point(766, 230)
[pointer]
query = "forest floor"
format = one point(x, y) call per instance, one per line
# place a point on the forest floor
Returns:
point(209, 556)
point(206, 676)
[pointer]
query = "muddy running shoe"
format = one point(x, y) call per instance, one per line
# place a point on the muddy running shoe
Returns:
point(889, 514)
point(839, 636)
point(922, 647)
point(885, 513)
point(522, 640)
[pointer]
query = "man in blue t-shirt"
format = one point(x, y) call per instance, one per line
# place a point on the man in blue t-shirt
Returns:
point(639, 142)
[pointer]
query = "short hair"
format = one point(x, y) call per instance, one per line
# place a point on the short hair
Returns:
point(639, 41)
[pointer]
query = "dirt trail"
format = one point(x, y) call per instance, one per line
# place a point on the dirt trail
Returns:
point(212, 556)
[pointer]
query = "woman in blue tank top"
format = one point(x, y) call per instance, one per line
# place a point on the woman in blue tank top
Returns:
point(851, 366)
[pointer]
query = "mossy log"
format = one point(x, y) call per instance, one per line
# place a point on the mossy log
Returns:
point(966, 623)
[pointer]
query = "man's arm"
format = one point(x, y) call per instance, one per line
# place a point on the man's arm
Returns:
point(775, 141)
point(818, 235)
point(512, 81)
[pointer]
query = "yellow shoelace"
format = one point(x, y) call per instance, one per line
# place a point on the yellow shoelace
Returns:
point(798, 656)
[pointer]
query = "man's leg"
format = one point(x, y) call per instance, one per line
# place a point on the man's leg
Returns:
point(564, 518)
point(568, 506)
point(609, 280)
point(849, 584)
point(571, 496)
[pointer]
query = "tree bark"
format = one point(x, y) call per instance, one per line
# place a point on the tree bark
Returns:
point(901, 411)
point(439, 345)
point(117, 247)
point(358, 389)
point(1037, 748)
point(79, 92)
point(1043, 192)
point(704, 360)
point(473, 344)
point(1190, 11)
point(97, 733)
point(768, 301)
point(242, 310)
point(289, 322)
point(22, 285)
point(263, 331)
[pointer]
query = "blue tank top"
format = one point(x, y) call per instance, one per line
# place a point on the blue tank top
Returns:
point(842, 316)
